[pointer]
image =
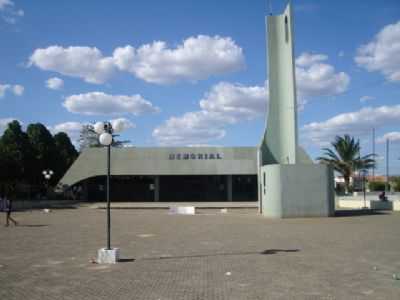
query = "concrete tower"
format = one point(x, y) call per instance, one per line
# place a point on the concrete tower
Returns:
point(290, 184)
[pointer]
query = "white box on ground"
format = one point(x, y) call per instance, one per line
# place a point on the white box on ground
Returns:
point(182, 210)
point(396, 205)
point(381, 205)
point(108, 256)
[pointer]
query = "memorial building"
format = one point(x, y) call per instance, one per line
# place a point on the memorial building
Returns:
point(167, 174)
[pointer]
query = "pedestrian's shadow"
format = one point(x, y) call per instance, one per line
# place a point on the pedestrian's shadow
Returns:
point(264, 252)
point(32, 225)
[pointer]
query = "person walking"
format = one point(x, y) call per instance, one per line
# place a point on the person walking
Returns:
point(8, 210)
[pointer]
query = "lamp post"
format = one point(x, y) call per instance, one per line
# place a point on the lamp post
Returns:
point(47, 176)
point(105, 131)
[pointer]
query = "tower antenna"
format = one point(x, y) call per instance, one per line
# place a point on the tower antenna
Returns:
point(270, 6)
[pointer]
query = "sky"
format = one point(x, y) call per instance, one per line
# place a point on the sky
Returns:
point(183, 72)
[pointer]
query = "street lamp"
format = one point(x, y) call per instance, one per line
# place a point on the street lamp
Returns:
point(47, 176)
point(105, 131)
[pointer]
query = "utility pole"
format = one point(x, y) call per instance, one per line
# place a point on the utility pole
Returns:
point(373, 153)
point(387, 166)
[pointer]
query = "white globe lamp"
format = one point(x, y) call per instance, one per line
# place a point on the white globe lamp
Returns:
point(105, 139)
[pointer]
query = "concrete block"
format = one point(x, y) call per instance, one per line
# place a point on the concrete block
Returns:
point(381, 205)
point(108, 256)
point(297, 190)
point(354, 203)
point(182, 210)
point(396, 205)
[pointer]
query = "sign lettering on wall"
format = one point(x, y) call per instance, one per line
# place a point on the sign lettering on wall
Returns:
point(193, 156)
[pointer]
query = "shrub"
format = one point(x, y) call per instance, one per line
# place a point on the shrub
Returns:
point(377, 186)
point(396, 184)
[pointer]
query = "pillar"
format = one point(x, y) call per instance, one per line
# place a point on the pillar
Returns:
point(229, 187)
point(156, 188)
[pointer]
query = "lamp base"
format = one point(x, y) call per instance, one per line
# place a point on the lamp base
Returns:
point(108, 256)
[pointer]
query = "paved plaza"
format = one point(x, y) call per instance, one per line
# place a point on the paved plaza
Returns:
point(211, 255)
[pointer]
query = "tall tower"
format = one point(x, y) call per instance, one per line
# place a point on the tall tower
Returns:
point(280, 140)
point(290, 184)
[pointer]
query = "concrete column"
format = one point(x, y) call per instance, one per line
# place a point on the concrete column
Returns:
point(229, 187)
point(156, 188)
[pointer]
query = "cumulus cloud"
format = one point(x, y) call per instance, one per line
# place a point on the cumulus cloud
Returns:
point(195, 59)
point(366, 98)
point(71, 128)
point(228, 103)
point(382, 54)
point(123, 122)
point(9, 12)
point(355, 123)
point(393, 136)
point(99, 103)
point(225, 103)
point(54, 83)
point(315, 79)
point(15, 89)
point(192, 128)
point(82, 62)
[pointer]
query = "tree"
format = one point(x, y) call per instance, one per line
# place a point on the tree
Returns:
point(88, 137)
point(44, 148)
point(345, 158)
point(16, 158)
point(66, 154)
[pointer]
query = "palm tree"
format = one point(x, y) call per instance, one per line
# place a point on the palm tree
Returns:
point(345, 158)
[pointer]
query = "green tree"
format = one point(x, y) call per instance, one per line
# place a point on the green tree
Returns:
point(16, 159)
point(345, 158)
point(44, 149)
point(66, 154)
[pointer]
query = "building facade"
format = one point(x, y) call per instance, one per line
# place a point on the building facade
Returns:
point(166, 174)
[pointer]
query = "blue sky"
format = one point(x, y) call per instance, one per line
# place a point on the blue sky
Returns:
point(193, 72)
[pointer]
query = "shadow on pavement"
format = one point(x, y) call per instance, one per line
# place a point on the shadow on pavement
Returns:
point(358, 212)
point(33, 225)
point(265, 252)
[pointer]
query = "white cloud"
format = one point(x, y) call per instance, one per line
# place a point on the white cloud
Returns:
point(306, 59)
point(55, 83)
point(5, 3)
point(71, 128)
point(315, 79)
point(366, 98)
point(382, 54)
point(228, 103)
point(355, 123)
point(82, 62)
point(99, 103)
point(236, 102)
point(192, 128)
point(123, 122)
point(195, 59)
point(16, 89)
point(393, 136)
point(9, 13)
point(225, 103)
